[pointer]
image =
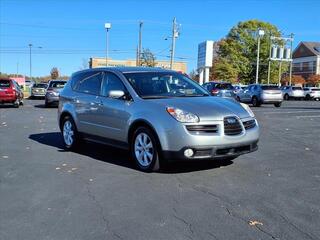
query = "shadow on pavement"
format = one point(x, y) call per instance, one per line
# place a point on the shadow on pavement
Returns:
point(121, 157)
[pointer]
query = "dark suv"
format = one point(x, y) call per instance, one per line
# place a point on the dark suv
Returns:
point(220, 89)
point(10, 92)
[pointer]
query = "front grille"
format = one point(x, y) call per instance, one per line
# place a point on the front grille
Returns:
point(249, 124)
point(202, 128)
point(232, 126)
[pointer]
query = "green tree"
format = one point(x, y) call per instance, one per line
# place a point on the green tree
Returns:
point(238, 52)
point(148, 59)
point(54, 73)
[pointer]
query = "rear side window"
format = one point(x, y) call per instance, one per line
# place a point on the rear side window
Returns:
point(4, 83)
point(112, 83)
point(296, 88)
point(269, 87)
point(57, 84)
point(225, 86)
point(90, 84)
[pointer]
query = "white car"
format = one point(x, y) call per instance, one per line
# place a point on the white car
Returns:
point(311, 93)
point(292, 92)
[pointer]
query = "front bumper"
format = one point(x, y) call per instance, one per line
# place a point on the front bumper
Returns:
point(212, 152)
point(177, 138)
point(52, 98)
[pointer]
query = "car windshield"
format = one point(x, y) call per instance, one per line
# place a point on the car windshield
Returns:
point(296, 88)
point(57, 84)
point(164, 85)
point(225, 86)
point(4, 83)
point(40, 85)
point(269, 87)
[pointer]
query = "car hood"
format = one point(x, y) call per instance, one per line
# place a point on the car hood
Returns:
point(206, 108)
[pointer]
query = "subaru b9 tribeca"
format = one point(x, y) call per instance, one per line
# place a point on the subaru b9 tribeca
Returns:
point(156, 114)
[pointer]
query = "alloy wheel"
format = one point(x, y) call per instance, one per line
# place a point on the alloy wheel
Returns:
point(143, 149)
point(68, 133)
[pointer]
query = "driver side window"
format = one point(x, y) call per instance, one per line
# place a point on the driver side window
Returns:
point(112, 83)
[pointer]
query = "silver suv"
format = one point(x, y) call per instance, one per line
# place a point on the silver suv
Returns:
point(157, 114)
point(261, 94)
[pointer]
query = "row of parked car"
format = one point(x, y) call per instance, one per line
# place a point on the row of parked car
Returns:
point(258, 94)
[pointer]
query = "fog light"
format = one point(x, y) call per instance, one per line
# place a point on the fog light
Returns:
point(188, 152)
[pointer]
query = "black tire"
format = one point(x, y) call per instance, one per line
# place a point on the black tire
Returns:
point(238, 98)
point(76, 139)
point(278, 104)
point(286, 97)
point(16, 103)
point(46, 104)
point(308, 98)
point(255, 102)
point(154, 163)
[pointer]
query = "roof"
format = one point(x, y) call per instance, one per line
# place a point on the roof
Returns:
point(307, 49)
point(130, 69)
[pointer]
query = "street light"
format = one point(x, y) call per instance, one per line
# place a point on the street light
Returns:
point(107, 26)
point(30, 47)
point(260, 34)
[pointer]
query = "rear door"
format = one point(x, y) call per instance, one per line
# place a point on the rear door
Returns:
point(86, 100)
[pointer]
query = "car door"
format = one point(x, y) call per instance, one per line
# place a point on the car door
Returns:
point(246, 96)
point(113, 113)
point(86, 101)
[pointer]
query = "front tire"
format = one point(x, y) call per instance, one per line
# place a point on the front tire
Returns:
point(278, 104)
point(16, 103)
point(255, 102)
point(145, 150)
point(70, 135)
point(286, 97)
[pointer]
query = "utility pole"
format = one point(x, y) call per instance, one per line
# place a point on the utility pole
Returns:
point(175, 33)
point(260, 33)
point(30, 75)
point(280, 72)
point(140, 43)
point(269, 60)
point(290, 71)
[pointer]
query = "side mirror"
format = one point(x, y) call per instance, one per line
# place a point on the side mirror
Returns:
point(116, 94)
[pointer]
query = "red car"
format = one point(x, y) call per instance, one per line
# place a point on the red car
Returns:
point(10, 92)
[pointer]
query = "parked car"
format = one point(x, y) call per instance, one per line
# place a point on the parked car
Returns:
point(38, 90)
point(10, 92)
point(257, 94)
point(52, 93)
point(155, 113)
point(292, 92)
point(220, 89)
point(311, 93)
point(29, 83)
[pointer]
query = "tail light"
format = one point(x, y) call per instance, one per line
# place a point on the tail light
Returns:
point(214, 91)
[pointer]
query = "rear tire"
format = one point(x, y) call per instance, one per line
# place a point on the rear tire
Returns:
point(46, 104)
point(278, 104)
point(16, 103)
point(286, 97)
point(255, 102)
point(238, 98)
point(70, 135)
point(145, 150)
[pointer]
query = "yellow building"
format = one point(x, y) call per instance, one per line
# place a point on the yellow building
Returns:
point(101, 62)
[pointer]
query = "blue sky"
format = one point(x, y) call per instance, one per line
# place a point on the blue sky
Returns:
point(71, 31)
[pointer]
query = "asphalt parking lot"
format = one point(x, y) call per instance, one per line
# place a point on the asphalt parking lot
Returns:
point(96, 193)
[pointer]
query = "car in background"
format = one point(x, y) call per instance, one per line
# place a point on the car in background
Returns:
point(38, 90)
point(292, 92)
point(257, 94)
point(29, 83)
point(53, 91)
point(156, 114)
point(220, 89)
point(311, 93)
point(10, 92)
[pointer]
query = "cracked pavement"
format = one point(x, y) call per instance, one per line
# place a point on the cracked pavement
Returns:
point(96, 193)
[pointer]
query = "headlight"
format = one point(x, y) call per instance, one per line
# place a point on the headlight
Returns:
point(248, 109)
point(182, 116)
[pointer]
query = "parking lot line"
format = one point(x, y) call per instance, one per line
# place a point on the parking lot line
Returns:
point(310, 116)
point(291, 112)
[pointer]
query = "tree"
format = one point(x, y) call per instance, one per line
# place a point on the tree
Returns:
point(238, 52)
point(223, 70)
point(148, 59)
point(54, 73)
point(295, 79)
point(314, 79)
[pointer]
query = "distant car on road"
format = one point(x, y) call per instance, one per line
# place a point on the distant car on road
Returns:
point(156, 114)
point(29, 83)
point(292, 92)
point(257, 94)
point(220, 89)
point(311, 93)
point(38, 90)
point(10, 92)
point(52, 93)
